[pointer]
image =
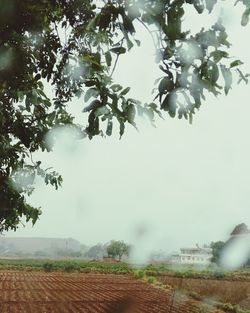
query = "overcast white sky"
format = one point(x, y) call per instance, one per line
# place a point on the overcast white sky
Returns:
point(165, 187)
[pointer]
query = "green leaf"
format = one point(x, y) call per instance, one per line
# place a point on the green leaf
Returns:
point(91, 92)
point(129, 44)
point(210, 5)
point(51, 117)
point(218, 55)
point(245, 17)
point(104, 20)
point(101, 111)
point(227, 75)
point(118, 50)
point(78, 94)
point(199, 6)
point(108, 58)
point(124, 92)
point(236, 63)
point(109, 127)
point(169, 104)
point(97, 57)
point(213, 72)
point(122, 128)
point(116, 87)
point(128, 24)
point(153, 106)
point(165, 85)
point(89, 83)
point(210, 86)
point(131, 113)
point(190, 116)
point(93, 127)
point(138, 42)
point(92, 106)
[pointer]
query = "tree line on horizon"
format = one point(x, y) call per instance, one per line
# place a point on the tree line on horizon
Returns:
point(116, 249)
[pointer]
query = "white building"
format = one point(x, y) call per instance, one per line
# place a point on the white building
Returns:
point(196, 255)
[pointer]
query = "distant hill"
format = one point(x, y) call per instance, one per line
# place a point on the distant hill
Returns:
point(10, 246)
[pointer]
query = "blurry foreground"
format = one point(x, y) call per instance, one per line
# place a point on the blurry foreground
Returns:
point(102, 287)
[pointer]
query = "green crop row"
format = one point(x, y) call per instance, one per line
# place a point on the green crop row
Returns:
point(66, 265)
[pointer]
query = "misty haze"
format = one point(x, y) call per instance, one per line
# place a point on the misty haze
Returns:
point(124, 159)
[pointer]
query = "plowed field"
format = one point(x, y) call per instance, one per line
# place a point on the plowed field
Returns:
point(39, 292)
point(227, 291)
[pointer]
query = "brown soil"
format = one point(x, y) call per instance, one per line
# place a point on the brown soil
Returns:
point(38, 292)
point(226, 291)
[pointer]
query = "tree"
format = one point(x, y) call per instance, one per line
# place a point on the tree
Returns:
point(96, 252)
point(239, 232)
point(240, 229)
point(238, 242)
point(117, 249)
point(74, 46)
point(217, 249)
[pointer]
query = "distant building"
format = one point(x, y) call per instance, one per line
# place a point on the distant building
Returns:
point(196, 255)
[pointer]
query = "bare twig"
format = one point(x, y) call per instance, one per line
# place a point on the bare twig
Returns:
point(31, 158)
point(116, 60)
point(149, 31)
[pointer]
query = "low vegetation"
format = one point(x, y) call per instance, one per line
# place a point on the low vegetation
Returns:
point(65, 265)
point(185, 271)
point(224, 290)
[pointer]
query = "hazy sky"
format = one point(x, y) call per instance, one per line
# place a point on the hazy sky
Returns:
point(164, 187)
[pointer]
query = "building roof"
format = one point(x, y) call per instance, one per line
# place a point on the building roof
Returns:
point(197, 249)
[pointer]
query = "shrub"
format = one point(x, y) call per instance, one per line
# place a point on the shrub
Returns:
point(85, 270)
point(228, 307)
point(195, 295)
point(139, 274)
point(151, 280)
point(48, 266)
point(218, 275)
point(69, 267)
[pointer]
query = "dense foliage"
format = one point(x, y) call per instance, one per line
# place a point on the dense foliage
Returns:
point(96, 252)
point(117, 249)
point(74, 47)
point(217, 249)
